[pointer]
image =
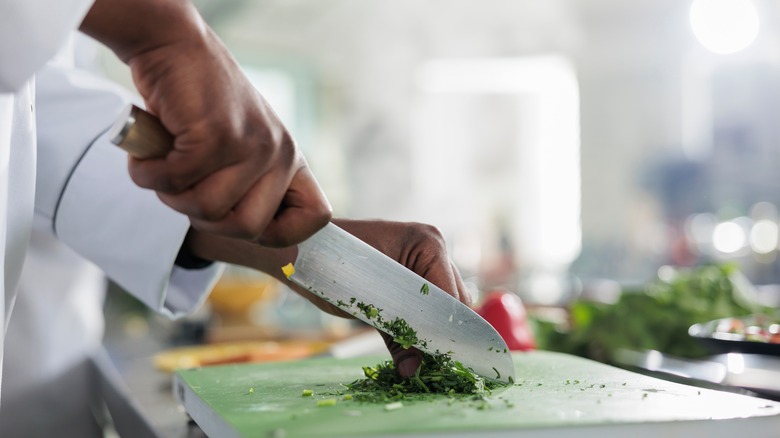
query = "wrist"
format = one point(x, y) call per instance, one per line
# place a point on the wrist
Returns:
point(209, 246)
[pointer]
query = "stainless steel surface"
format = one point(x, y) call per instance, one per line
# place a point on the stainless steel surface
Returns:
point(344, 270)
point(121, 128)
point(754, 372)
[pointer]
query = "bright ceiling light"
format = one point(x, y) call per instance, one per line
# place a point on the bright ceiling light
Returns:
point(729, 237)
point(763, 236)
point(724, 26)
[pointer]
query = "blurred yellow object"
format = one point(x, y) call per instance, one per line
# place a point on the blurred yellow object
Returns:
point(288, 270)
point(236, 352)
point(235, 295)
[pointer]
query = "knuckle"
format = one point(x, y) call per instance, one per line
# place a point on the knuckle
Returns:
point(427, 242)
point(428, 234)
point(278, 148)
point(322, 216)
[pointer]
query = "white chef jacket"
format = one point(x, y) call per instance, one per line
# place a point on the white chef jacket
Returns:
point(82, 196)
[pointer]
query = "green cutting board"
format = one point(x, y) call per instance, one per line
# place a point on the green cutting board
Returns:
point(555, 395)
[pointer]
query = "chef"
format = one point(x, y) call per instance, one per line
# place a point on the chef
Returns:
point(57, 322)
point(232, 167)
point(86, 200)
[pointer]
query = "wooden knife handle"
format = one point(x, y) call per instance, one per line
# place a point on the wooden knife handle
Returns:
point(141, 134)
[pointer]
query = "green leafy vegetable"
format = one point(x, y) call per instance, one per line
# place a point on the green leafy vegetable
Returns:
point(656, 316)
point(425, 289)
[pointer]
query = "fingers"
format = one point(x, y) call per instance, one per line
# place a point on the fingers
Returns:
point(303, 211)
point(269, 217)
point(184, 165)
point(462, 293)
point(430, 259)
point(213, 198)
point(419, 247)
point(406, 360)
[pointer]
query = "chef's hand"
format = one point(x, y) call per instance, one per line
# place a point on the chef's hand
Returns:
point(234, 169)
point(419, 247)
point(422, 249)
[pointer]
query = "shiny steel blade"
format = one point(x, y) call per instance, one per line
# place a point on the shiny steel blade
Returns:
point(349, 273)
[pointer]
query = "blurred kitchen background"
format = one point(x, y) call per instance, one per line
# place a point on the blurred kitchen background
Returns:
point(564, 148)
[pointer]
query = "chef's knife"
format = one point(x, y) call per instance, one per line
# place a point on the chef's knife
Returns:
point(376, 289)
point(350, 274)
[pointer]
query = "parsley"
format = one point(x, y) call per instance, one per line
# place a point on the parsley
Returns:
point(402, 333)
point(425, 289)
point(398, 328)
point(437, 374)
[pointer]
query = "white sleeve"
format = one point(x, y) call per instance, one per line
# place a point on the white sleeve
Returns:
point(31, 32)
point(84, 195)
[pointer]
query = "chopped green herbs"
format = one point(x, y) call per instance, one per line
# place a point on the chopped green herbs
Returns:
point(307, 393)
point(369, 310)
point(402, 333)
point(425, 289)
point(398, 328)
point(437, 374)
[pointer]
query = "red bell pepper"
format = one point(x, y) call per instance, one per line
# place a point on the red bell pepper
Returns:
point(506, 313)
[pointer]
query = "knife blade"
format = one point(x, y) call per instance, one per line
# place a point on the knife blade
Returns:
point(347, 272)
point(361, 280)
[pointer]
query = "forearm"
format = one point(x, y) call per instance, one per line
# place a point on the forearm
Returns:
point(130, 27)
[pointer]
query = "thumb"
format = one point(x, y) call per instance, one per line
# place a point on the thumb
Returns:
point(303, 211)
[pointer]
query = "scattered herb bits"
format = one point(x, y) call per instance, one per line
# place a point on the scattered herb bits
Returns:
point(307, 393)
point(425, 289)
point(326, 402)
point(394, 406)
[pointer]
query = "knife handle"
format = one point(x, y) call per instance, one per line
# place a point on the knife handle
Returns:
point(141, 134)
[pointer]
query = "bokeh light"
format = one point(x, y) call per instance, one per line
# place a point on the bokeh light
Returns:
point(724, 26)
